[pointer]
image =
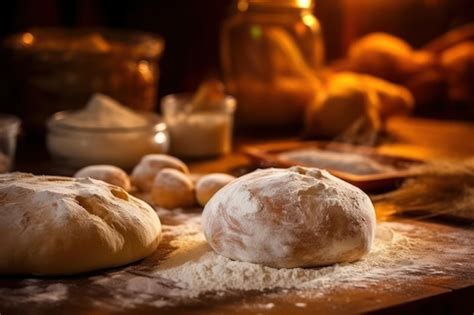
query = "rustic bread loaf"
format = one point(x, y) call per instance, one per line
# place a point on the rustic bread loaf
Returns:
point(172, 189)
point(60, 225)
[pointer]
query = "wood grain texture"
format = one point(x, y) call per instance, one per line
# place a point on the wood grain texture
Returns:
point(453, 272)
point(447, 288)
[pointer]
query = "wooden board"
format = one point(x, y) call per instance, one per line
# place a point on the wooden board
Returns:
point(449, 292)
point(451, 271)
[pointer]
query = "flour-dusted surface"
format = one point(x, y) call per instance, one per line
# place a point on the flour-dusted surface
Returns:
point(185, 276)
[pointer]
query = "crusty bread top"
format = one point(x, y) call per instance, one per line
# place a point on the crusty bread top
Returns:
point(62, 225)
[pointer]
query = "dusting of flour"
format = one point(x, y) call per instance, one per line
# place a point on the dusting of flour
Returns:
point(195, 268)
point(185, 271)
point(192, 270)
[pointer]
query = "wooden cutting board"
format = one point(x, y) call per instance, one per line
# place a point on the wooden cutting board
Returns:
point(449, 270)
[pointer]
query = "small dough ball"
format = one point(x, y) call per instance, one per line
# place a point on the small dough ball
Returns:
point(172, 189)
point(144, 173)
point(287, 218)
point(209, 184)
point(458, 63)
point(108, 173)
point(61, 225)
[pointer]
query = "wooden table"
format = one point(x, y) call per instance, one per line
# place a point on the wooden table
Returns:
point(446, 288)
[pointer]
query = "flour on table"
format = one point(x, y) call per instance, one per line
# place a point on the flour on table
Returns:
point(192, 270)
point(184, 271)
point(197, 269)
point(35, 291)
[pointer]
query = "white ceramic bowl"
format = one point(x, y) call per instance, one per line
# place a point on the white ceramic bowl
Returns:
point(123, 147)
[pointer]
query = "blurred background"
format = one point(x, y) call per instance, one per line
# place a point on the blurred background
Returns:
point(191, 28)
point(295, 67)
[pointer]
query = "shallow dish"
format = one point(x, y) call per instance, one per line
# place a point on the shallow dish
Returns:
point(123, 147)
point(398, 168)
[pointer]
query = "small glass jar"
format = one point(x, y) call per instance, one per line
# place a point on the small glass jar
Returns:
point(198, 134)
point(271, 53)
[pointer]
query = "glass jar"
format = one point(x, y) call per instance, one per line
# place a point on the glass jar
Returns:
point(51, 69)
point(271, 52)
point(198, 134)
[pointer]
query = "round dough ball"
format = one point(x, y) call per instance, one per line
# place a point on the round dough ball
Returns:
point(286, 218)
point(172, 189)
point(209, 184)
point(108, 173)
point(144, 173)
point(60, 225)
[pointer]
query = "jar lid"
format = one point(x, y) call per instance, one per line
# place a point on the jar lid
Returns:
point(300, 4)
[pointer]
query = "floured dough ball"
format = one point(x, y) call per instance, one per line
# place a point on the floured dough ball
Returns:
point(209, 184)
point(60, 225)
point(144, 173)
point(286, 218)
point(172, 189)
point(108, 173)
